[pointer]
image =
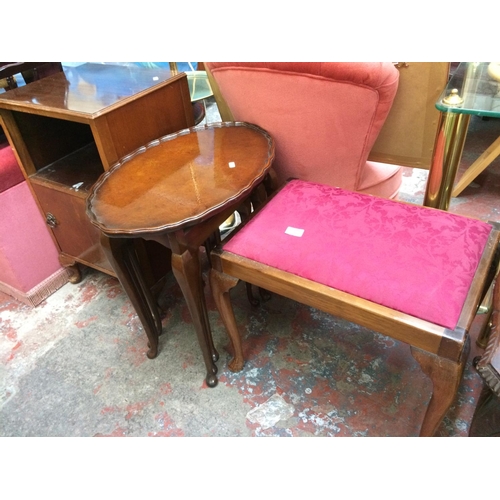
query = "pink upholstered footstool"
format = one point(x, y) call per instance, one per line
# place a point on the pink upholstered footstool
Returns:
point(29, 264)
point(413, 273)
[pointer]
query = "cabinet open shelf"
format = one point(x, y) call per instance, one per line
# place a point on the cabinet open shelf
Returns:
point(76, 172)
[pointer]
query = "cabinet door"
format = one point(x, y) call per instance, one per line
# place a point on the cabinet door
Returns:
point(408, 135)
point(75, 235)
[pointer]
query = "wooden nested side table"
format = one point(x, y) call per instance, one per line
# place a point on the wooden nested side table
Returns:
point(177, 191)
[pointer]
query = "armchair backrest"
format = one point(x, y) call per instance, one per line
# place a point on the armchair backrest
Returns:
point(324, 117)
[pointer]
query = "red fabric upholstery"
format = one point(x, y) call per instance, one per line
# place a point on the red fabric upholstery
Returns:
point(324, 117)
point(27, 253)
point(10, 173)
point(414, 260)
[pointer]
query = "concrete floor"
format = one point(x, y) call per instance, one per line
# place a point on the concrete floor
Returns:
point(76, 365)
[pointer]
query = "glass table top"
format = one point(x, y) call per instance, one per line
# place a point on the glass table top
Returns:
point(86, 89)
point(91, 87)
point(474, 89)
point(199, 86)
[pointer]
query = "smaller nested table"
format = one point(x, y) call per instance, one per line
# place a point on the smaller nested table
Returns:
point(177, 190)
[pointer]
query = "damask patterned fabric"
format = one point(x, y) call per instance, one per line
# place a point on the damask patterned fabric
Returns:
point(412, 259)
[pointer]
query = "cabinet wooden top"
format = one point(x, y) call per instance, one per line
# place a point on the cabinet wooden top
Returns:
point(181, 179)
point(87, 90)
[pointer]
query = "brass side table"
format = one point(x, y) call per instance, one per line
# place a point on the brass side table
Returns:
point(474, 89)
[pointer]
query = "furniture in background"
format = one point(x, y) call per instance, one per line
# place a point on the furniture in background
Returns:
point(473, 90)
point(324, 117)
point(199, 90)
point(29, 265)
point(199, 86)
point(408, 135)
point(30, 71)
point(70, 127)
point(486, 420)
point(177, 191)
point(409, 272)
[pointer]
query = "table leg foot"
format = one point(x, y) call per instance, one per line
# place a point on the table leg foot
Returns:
point(152, 352)
point(76, 274)
point(211, 380)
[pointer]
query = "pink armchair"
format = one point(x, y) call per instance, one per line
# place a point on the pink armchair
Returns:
point(324, 117)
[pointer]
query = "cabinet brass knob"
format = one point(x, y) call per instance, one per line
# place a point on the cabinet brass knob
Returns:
point(51, 220)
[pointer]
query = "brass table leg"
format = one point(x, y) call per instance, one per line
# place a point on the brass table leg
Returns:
point(450, 140)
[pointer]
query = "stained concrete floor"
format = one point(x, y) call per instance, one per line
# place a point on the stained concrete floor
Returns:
point(76, 365)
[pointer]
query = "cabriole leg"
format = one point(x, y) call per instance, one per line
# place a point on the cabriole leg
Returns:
point(120, 254)
point(187, 272)
point(445, 376)
point(221, 284)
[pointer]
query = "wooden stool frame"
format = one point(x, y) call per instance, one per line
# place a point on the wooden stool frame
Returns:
point(441, 353)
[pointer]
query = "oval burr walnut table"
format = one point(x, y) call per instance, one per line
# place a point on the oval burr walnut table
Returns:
point(178, 190)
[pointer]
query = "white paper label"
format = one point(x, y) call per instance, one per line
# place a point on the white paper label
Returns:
point(293, 231)
point(232, 164)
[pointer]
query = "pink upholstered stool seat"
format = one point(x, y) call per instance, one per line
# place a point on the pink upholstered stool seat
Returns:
point(417, 261)
point(409, 272)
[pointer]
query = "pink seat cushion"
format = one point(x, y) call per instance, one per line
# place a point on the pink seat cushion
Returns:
point(381, 179)
point(415, 260)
